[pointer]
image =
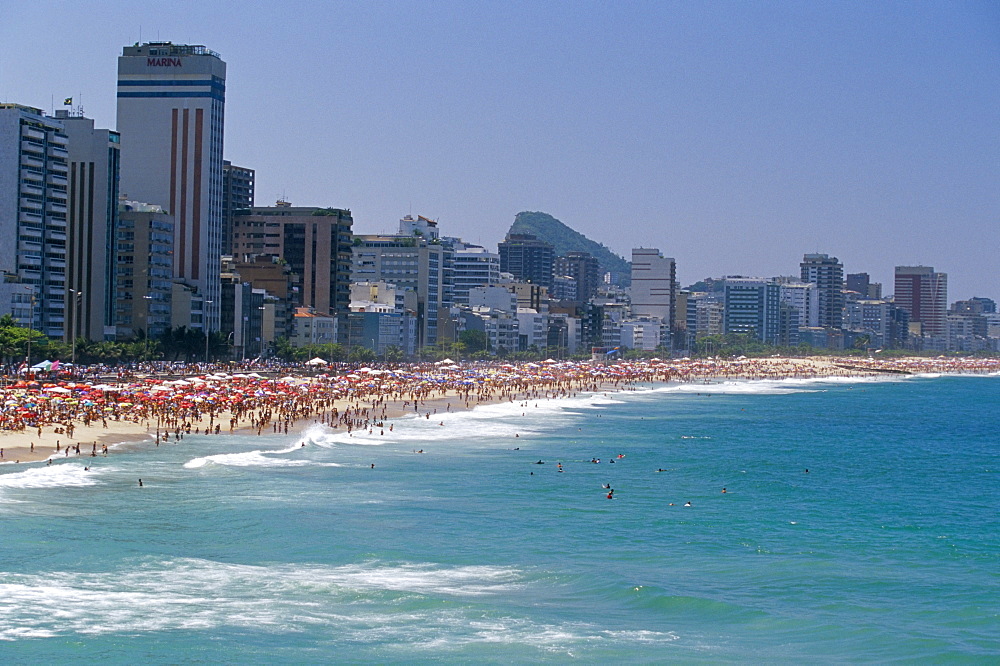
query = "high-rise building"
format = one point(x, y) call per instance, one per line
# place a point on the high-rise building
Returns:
point(804, 298)
point(861, 284)
point(654, 285)
point(527, 258)
point(827, 273)
point(753, 307)
point(413, 263)
point(475, 266)
point(93, 218)
point(171, 103)
point(34, 179)
point(143, 270)
point(975, 305)
point(315, 242)
point(584, 268)
point(924, 294)
point(237, 194)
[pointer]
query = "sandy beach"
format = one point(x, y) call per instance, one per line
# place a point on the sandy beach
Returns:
point(51, 419)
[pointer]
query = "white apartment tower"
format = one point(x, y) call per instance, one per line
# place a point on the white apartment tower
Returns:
point(34, 180)
point(654, 285)
point(171, 102)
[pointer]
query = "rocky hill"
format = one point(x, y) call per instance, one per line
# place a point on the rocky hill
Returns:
point(565, 239)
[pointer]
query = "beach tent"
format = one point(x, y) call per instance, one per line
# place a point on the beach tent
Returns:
point(446, 361)
point(316, 361)
point(44, 365)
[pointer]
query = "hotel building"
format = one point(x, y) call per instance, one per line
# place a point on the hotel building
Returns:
point(171, 102)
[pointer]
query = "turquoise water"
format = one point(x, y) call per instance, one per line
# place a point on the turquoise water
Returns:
point(258, 550)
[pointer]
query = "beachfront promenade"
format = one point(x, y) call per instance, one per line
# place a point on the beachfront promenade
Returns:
point(102, 406)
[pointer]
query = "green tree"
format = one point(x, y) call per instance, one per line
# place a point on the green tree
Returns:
point(474, 341)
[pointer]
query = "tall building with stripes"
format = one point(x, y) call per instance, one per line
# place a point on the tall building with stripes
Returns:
point(171, 103)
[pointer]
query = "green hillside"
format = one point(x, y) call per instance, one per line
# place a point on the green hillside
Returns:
point(548, 228)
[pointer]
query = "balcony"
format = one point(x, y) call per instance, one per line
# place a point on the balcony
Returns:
point(33, 148)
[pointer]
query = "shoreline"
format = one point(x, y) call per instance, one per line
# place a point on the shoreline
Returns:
point(141, 413)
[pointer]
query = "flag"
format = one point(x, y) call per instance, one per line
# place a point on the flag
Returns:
point(68, 101)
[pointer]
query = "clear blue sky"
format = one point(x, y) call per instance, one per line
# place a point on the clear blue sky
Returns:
point(733, 136)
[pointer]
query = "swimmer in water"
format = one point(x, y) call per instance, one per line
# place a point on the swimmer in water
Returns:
point(140, 483)
point(687, 504)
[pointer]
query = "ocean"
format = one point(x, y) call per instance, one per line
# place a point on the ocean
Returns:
point(498, 543)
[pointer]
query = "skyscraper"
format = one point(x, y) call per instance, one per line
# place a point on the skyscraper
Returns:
point(527, 258)
point(171, 102)
point(582, 267)
point(654, 285)
point(315, 242)
point(93, 219)
point(924, 294)
point(237, 194)
point(753, 307)
point(827, 273)
point(474, 267)
point(412, 263)
point(33, 190)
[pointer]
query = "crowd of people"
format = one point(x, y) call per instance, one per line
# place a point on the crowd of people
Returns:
point(171, 400)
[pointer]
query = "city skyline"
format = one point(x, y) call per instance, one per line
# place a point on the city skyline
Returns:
point(733, 138)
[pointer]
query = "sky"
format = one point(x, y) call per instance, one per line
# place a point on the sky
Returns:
point(733, 136)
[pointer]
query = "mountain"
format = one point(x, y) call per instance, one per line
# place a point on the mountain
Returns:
point(548, 228)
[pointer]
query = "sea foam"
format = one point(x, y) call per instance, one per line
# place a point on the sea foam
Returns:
point(64, 475)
